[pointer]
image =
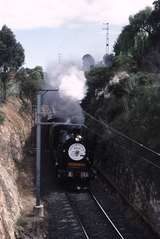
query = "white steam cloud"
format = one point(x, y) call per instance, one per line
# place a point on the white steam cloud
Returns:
point(73, 83)
point(70, 81)
point(64, 105)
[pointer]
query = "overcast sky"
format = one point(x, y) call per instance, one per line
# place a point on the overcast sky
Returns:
point(70, 27)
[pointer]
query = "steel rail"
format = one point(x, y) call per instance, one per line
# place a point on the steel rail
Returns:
point(105, 214)
point(134, 208)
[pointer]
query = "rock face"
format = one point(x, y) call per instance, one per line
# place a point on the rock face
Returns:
point(13, 134)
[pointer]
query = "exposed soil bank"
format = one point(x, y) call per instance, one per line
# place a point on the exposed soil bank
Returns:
point(16, 167)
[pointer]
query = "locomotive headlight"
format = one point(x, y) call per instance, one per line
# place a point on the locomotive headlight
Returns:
point(77, 151)
point(78, 138)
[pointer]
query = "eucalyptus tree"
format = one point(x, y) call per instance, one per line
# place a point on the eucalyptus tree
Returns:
point(29, 81)
point(11, 56)
point(154, 21)
point(134, 38)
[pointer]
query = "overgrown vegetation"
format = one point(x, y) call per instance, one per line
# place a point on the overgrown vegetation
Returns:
point(126, 95)
point(15, 79)
point(11, 57)
point(139, 40)
point(21, 221)
point(2, 117)
point(29, 81)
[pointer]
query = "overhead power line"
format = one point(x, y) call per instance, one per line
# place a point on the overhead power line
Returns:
point(117, 132)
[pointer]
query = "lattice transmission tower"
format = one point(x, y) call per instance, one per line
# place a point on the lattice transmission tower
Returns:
point(106, 28)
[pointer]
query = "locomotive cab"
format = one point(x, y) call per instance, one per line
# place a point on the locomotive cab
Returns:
point(69, 152)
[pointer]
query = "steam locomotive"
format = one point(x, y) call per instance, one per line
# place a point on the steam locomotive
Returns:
point(69, 152)
point(67, 145)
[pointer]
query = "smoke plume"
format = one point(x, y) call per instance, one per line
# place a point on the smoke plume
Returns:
point(64, 105)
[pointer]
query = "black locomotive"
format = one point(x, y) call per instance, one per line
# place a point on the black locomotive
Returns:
point(69, 152)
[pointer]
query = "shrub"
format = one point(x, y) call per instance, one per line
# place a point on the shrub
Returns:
point(22, 221)
point(2, 117)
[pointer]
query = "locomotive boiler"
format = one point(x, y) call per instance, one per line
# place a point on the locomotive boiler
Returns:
point(69, 152)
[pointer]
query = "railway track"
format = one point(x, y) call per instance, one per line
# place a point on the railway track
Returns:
point(95, 213)
point(106, 215)
point(133, 224)
point(81, 215)
point(78, 217)
point(94, 221)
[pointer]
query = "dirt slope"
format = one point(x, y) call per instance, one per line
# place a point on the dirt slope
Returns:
point(16, 170)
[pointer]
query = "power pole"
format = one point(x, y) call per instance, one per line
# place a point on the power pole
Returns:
point(39, 209)
point(106, 28)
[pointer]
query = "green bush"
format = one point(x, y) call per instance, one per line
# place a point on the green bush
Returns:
point(2, 117)
point(22, 221)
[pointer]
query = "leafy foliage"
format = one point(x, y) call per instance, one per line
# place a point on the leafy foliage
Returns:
point(2, 117)
point(129, 103)
point(125, 63)
point(11, 56)
point(29, 82)
point(134, 39)
point(140, 39)
point(143, 102)
point(96, 83)
point(154, 21)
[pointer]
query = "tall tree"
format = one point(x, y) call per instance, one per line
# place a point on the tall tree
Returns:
point(154, 21)
point(29, 81)
point(134, 39)
point(11, 56)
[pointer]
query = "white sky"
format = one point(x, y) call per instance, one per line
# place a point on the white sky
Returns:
point(73, 28)
point(30, 14)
